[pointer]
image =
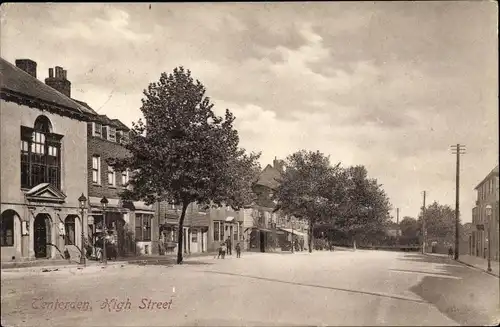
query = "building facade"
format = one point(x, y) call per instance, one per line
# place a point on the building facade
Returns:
point(487, 194)
point(131, 226)
point(195, 228)
point(43, 166)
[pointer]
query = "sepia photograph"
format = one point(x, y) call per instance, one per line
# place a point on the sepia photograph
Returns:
point(330, 163)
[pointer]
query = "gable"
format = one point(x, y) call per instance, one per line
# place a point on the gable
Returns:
point(269, 177)
point(45, 192)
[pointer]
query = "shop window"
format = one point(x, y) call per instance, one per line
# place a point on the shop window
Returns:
point(217, 231)
point(194, 236)
point(143, 227)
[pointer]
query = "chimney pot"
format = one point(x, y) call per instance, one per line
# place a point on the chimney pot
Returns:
point(28, 65)
point(59, 72)
point(51, 72)
point(64, 73)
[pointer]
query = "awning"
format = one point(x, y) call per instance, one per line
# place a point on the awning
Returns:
point(228, 219)
point(293, 231)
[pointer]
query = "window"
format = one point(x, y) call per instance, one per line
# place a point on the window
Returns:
point(40, 154)
point(125, 177)
point(69, 227)
point(96, 129)
point(111, 176)
point(118, 137)
point(217, 231)
point(96, 169)
point(194, 236)
point(105, 132)
point(143, 227)
point(241, 231)
point(112, 134)
point(124, 137)
point(235, 233)
point(7, 229)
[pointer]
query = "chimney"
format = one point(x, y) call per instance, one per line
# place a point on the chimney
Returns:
point(59, 82)
point(27, 65)
point(278, 165)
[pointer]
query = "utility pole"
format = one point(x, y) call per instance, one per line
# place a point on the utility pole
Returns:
point(424, 228)
point(457, 150)
point(397, 216)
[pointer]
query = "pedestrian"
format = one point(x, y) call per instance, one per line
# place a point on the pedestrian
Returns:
point(219, 251)
point(228, 244)
point(238, 250)
point(223, 250)
point(450, 252)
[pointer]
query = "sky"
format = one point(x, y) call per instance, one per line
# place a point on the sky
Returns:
point(387, 85)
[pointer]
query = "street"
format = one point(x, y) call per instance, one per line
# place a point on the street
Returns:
point(259, 289)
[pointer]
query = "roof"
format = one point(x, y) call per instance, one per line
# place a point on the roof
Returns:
point(494, 172)
point(21, 87)
point(103, 119)
point(269, 177)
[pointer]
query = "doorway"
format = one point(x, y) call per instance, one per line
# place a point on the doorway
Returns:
point(42, 236)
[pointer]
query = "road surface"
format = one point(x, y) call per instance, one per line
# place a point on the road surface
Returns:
point(323, 288)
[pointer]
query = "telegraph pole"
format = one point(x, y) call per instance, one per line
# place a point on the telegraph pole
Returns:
point(397, 216)
point(424, 231)
point(457, 150)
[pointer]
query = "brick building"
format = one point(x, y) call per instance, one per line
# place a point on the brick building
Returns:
point(487, 194)
point(43, 166)
point(195, 231)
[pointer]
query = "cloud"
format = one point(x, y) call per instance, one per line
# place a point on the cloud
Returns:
point(390, 85)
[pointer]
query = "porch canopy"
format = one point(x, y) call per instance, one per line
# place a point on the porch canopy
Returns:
point(260, 229)
point(229, 219)
point(289, 230)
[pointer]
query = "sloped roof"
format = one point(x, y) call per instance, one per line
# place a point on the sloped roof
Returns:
point(16, 83)
point(494, 172)
point(103, 119)
point(269, 177)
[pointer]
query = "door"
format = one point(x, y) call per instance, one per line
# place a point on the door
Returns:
point(41, 235)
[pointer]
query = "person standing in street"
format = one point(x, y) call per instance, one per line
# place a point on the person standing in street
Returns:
point(228, 243)
point(223, 250)
point(238, 250)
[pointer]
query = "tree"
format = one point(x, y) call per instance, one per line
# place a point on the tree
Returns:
point(183, 153)
point(365, 208)
point(439, 222)
point(410, 227)
point(307, 188)
point(410, 230)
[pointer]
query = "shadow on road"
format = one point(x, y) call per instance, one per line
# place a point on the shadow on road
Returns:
point(469, 299)
point(318, 286)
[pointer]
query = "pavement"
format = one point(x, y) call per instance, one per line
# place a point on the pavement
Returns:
point(340, 288)
point(481, 263)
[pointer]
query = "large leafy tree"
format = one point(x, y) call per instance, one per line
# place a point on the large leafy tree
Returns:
point(306, 188)
point(410, 230)
point(182, 152)
point(439, 222)
point(365, 208)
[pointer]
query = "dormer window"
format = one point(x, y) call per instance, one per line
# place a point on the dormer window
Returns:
point(96, 129)
point(118, 136)
point(112, 134)
point(105, 132)
point(124, 137)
